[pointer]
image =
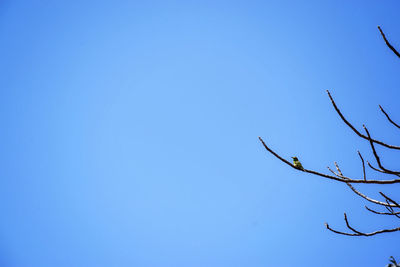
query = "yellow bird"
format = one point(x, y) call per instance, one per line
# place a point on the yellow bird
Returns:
point(297, 163)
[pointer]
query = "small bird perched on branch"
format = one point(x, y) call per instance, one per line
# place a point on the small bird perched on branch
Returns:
point(297, 163)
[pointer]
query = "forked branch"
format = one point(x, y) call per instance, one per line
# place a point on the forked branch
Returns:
point(359, 233)
point(378, 160)
point(339, 177)
point(354, 129)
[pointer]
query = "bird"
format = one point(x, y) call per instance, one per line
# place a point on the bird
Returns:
point(297, 163)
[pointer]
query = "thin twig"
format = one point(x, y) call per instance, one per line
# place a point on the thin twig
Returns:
point(382, 213)
point(391, 210)
point(387, 116)
point(376, 169)
point(387, 43)
point(354, 129)
point(389, 199)
point(351, 228)
point(381, 171)
point(363, 165)
point(338, 169)
point(334, 173)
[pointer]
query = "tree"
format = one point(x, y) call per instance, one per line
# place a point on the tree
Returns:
point(392, 207)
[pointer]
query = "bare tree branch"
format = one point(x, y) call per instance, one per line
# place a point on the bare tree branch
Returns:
point(389, 203)
point(370, 199)
point(391, 211)
point(387, 43)
point(381, 171)
point(378, 160)
point(376, 169)
point(359, 233)
point(342, 179)
point(389, 119)
point(363, 165)
point(348, 225)
point(334, 173)
point(354, 129)
point(338, 169)
point(383, 213)
point(339, 232)
point(390, 200)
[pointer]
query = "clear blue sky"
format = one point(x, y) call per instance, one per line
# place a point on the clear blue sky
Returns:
point(129, 131)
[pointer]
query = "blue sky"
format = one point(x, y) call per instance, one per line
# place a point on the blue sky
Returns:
point(129, 131)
